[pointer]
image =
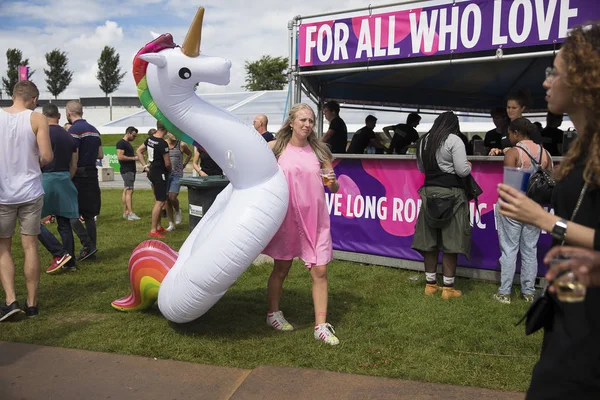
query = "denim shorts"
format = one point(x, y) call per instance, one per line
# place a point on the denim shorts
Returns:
point(173, 184)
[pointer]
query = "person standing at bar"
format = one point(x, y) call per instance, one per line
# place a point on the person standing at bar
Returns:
point(443, 223)
point(336, 136)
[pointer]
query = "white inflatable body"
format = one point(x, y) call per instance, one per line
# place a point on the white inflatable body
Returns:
point(247, 213)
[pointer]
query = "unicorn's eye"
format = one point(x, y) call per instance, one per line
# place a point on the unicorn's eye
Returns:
point(185, 73)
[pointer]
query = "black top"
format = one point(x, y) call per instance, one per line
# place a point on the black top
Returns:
point(89, 142)
point(126, 166)
point(361, 140)
point(63, 147)
point(338, 141)
point(157, 148)
point(569, 365)
point(537, 137)
point(493, 139)
point(207, 164)
point(552, 138)
point(404, 136)
point(268, 136)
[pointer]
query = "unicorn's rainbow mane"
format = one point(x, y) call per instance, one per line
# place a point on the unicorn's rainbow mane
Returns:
point(164, 41)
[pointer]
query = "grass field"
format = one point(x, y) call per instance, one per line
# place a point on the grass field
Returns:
point(386, 325)
point(111, 140)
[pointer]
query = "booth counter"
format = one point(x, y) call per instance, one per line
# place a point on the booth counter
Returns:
point(373, 214)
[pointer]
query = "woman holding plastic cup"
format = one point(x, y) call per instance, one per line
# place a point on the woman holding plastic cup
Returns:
point(305, 231)
point(513, 235)
point(569, 365)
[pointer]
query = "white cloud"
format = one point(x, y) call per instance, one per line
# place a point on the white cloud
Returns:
point(236, 29)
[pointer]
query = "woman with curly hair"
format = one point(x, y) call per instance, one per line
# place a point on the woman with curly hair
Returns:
point(569, 365)
point(305, 231)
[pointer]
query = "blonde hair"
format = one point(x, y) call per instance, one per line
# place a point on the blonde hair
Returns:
point(25, 90)
point(284, 135)
point(74, 107)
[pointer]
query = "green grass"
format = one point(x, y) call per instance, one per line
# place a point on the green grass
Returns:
point(112, 139)
point(386, 325)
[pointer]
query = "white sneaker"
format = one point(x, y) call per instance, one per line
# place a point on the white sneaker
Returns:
point(125, 215)
point(171, 227)
point(133, 217)
point(502, 298)
point(325, 333)
point(178, 217)
point(278, 321)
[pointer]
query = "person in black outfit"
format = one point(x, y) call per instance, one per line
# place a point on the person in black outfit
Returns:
point(569, 364)
point(127, 158)
point(516, 104)
point(404, 134)
point(365, 137)
point(336, 136)
point(86, 178)
point(552, 137)
point(158, 168)
point(493, 138)
point(204, 165)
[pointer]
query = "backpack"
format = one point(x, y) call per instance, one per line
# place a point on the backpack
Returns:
point(541, 183)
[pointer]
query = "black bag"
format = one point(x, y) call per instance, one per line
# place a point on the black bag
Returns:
point(541, 183)
point(540, 314)
point(472, 188)
point(473, 191)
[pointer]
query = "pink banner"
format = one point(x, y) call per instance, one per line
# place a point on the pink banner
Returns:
point(23, 72)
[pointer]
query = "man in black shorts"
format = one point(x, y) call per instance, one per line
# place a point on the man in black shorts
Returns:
point(127, 159)
point(158, 168)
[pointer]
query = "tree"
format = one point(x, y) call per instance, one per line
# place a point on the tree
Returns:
point(58, 77)
point(14, 59)
point(268, 73)
point(109, 73)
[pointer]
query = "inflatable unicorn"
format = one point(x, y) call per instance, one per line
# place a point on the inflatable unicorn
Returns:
point(246, 214)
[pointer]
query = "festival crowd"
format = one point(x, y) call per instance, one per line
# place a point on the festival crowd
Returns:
point(46, 170)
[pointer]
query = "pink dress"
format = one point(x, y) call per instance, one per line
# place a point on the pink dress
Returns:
point(305, 230)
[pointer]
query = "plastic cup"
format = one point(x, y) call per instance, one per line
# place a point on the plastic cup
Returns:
point(517, 178)
point(568, 287)
point(326, 175)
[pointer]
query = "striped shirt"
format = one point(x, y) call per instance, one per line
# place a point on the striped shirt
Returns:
point(88, 139)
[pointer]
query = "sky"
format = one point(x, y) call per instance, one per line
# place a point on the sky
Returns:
point(239, 30)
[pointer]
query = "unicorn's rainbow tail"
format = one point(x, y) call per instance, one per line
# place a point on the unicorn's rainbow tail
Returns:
point(148, 265)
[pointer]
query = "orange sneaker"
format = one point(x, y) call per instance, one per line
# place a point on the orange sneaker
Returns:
point(450, 292)
point(161, 230)
point(431, 288)
point(156, 235)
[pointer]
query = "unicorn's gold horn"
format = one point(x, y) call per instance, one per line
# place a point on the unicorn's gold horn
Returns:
point(191, 44)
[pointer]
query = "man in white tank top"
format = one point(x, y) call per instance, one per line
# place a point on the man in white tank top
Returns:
point(25, 148)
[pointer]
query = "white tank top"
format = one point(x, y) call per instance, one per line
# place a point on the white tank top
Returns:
point(20, 172)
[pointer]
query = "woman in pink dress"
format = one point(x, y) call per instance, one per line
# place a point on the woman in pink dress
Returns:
point(305, 231)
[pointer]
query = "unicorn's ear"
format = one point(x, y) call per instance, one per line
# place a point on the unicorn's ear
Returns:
point(154, 34)
point(154, 58)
